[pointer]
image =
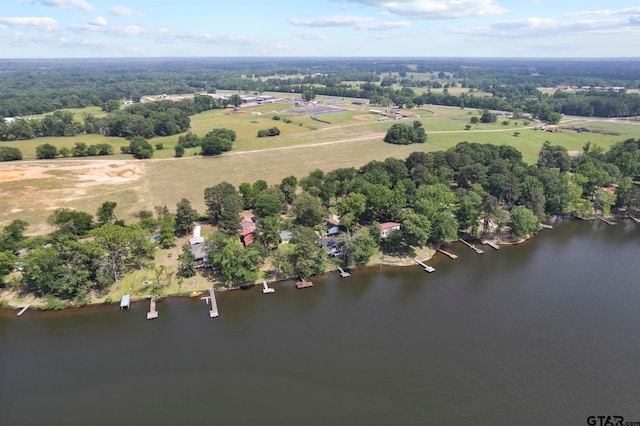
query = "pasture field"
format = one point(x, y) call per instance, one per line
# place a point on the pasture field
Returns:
point(31, 190)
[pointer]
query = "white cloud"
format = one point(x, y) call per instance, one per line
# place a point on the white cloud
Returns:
point(129, 30)
point(120, 10)
point(437, 9)
point(547, 27)
point(99, 21)
point(311, 35)
point(607, 12)
point(357, 22)
point(540, 25)
point(42, 24)
point(80, 4)
point(332, 21)
point(385, 26)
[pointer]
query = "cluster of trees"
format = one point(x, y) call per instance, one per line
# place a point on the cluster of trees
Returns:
point(9, 153)
point(48, 151)
point(403, 134)
point(273, 131)
point(215, 142)
point(473, 188)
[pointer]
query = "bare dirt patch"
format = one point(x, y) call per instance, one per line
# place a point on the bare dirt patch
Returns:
point(30, 190)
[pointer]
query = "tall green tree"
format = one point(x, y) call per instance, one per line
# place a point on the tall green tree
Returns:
point(140, 148)
point(223, 206)
point(358, 248)
point(523, 221)
point(187, 262)
point(46, 151)
point(167, 225)
point(308, 210)
point(185, 216)
point(106, 212)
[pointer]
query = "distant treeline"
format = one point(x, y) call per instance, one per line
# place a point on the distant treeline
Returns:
point(38, 86)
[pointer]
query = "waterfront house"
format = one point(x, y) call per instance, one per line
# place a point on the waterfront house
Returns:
point(387, 227)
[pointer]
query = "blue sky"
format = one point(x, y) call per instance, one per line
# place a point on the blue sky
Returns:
point(342, 28)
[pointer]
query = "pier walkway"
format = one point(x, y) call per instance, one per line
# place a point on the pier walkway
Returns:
point(343, 273)
point(153, 313)
point(446, 253)
point(425, 266)
point(471, 246)
point(545, 226)
point(266, 289)
point(491, 244)
point(23, 308)
point(213, 312)
point(608, 222)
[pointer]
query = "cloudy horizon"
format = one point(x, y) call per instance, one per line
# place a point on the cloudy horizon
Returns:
point(324, 28)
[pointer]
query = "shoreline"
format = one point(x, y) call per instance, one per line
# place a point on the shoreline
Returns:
point(424, 254)
point(38, 303)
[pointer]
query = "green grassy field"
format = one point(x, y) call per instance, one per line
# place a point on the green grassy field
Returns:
point(304, 145)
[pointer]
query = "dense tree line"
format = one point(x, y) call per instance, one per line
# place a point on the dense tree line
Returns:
point(163, 118)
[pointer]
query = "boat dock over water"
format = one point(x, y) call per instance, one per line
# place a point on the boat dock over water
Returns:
point(425, 266)
point(213, 312)
point(608, 222)
point(545, 226)
point(153, 313)
point(471, 246)
point(304, 283)
point(491, 244)
point(266, 289)
point(446, 253)
point(125, 302)
point(23, 308)
point(343, 273)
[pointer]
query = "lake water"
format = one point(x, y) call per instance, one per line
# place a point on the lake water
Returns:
point(546, 332)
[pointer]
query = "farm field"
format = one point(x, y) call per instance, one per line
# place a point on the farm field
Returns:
point(31, 190)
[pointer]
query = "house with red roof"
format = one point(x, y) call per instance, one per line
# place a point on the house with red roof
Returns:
point(387, 227)
point(248, 230)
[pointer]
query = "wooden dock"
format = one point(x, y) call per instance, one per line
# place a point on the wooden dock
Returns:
point(266, 289)
point(153, 313)
point(125, 302)
point(343, 273)
point(213, 312)
point(545, 226)
point(304, 284)
point(471, 246)
point(608, 222)
point(491, 244)
point(22, 308)
point(425, 266)
point(635, 219)
point(446, 253)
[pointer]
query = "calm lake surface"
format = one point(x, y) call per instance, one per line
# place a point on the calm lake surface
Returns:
point(546, 332)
